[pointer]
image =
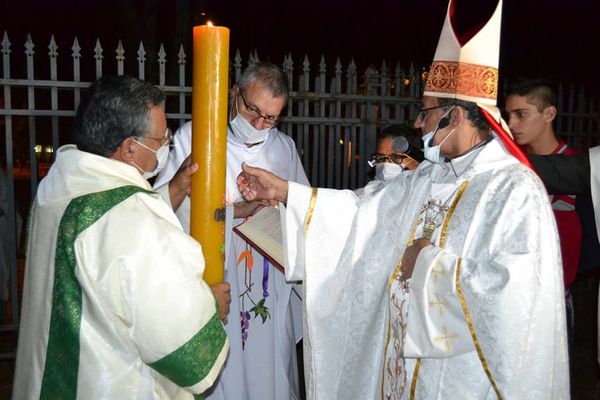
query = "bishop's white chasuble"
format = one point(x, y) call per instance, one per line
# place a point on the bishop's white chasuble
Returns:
point(482, 316)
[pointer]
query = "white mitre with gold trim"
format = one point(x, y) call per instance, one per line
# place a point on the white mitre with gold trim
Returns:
point(466, 68)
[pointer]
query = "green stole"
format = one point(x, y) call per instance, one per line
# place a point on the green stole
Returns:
point(185, 366)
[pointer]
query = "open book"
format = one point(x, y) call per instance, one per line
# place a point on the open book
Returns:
point(263, 232)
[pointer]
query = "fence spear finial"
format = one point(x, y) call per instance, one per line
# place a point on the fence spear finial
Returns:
point(5, 45)
point(29, 46)
point(52, 47)
point(76, 49)
point(181, 55)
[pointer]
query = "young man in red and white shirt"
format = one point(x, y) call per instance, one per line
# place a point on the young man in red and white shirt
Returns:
point(531, 109)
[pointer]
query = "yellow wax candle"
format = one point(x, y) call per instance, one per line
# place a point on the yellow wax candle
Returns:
point(209, 141)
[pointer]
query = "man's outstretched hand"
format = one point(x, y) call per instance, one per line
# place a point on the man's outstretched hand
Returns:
point(260, 184)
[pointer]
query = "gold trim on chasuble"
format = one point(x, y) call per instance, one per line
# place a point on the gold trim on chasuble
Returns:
point(459, 77)
point(463, 304)
point(309, 215)
point(442, 244)
point(397, 271)
point(311, 210)
point(476, 343)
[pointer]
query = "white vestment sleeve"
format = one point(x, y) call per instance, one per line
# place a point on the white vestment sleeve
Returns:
point(158, 291)
point(164, 193)
point(436, 323)
point(293, 220)
point(595, 187)
point(595, 183)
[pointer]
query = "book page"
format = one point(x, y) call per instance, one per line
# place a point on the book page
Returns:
point(263, 230)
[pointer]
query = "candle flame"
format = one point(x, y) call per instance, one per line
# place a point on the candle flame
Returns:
point(209, 23)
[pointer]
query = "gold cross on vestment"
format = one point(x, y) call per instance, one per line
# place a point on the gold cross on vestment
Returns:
point(437, 271)
point(441, 305)
point(446, 338)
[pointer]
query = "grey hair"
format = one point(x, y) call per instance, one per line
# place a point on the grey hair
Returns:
point(114, 109)
point(270, 75)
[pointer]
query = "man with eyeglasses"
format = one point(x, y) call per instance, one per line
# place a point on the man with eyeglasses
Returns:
point(114, 305)
point(446, 282)
point(266, 314)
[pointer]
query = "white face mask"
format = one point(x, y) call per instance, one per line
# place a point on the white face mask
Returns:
point(432, 152)
point(162, 155)
point(245, 133)
point(387, 171)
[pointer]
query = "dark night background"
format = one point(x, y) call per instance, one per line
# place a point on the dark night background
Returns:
point(558, 39)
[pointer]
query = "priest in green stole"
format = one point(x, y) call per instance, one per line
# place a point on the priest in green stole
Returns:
point(114, 305)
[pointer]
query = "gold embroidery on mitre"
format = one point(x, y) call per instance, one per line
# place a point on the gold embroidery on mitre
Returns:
point(463, 78)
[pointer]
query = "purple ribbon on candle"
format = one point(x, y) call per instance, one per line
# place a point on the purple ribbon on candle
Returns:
point(265, 281)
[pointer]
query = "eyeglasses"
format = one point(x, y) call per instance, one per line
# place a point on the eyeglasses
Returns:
point(394, 158)
point(167, 138)
point(422, 114)
point(254, 113)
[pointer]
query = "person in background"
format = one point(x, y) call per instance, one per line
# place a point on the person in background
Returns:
point(388, 159)
point(579, 175)
point(262, 361)
point(531, 109)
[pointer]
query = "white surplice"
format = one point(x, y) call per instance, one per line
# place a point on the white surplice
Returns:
point(263, 366)
point(143, 300)
point(495, 259)
point(594, 155)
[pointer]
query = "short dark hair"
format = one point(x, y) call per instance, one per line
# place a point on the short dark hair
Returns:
point(113, 109)
point(539, 92)
point(473, 112)
point(269, 75)
point(396, 130)
point(411, 134)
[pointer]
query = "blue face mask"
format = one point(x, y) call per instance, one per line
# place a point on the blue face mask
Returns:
point(432, 152)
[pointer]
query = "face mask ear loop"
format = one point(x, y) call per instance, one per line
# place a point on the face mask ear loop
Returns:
point(437, 127)
point(144, 146)
point(447, 136)
point(137, 166)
